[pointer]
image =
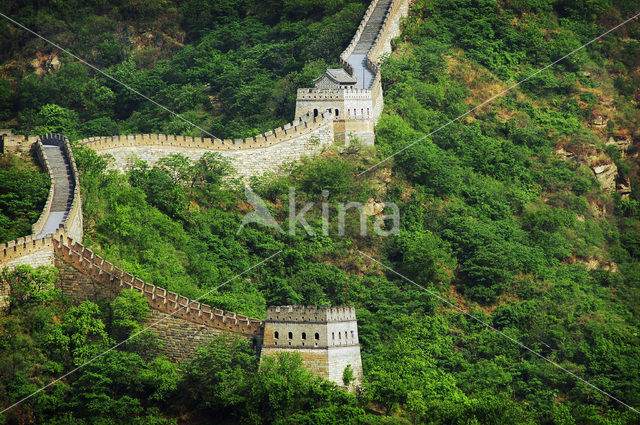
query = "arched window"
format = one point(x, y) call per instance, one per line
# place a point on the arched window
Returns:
point(317, 336)
point(333, 335)
point(345, 335)
point(315, 112)
point(276, 335)
point(336, 112)
point(304, 335)
point(290, 335)
point(368, 113)
point(339, 335)
point(352, 335)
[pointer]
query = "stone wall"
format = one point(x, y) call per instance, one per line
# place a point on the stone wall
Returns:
point(326, 338)
point(338, 360)
point(358, 110)
point(114, 279)
point(16, 142)
point(178, 338)
point(306, 136)
point(38, 226)
point(27, 250)
point(315, 360)
point(38, 251)
point(5, 292)
point(351, 108)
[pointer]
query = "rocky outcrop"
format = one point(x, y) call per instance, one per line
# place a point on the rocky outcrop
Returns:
point(606, 174)
point(622, 144)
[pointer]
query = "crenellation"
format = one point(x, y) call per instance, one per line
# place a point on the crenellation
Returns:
point(325, 337)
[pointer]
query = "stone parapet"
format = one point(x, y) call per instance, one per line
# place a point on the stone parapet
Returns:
point(38, 226)
point(311, 313)
point(300, 126)
point(111, 280)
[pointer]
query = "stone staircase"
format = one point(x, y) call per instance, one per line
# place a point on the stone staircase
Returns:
point(358, 58)
point(63, 186)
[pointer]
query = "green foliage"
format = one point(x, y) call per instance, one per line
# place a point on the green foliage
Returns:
point(237, 74)
point(29, 285)
point(490, 218)
point(56, 119)
point(23, 193)
point(347, 376)
point(129, 310)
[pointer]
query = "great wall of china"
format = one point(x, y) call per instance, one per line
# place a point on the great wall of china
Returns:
point(326, 115)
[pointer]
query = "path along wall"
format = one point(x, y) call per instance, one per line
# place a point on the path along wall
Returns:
point(253, 156)
point(87, 276)
point(37, 250)
point(357, 111)
point(382, 45)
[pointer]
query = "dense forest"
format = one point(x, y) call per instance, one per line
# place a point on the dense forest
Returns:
point(501, 212)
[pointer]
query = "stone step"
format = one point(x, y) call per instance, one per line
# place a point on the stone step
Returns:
point(63, 184)
point(372, 28)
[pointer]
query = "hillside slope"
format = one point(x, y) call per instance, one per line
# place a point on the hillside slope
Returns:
point(525, 213)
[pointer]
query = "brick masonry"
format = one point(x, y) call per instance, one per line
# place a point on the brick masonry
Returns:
point(306, 136)
point(185, 324)
point(37, 249)
point(325, 337)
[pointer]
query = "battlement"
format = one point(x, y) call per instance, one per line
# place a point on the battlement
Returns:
point(38, 226)
point(16, 142)
point(314, 94)
point(115, 279)
point(25, 246)
point(311, 313)
point(300, 126)
point(325, 337)
point(37, 249)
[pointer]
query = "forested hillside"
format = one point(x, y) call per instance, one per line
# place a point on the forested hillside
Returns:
point(505, 213)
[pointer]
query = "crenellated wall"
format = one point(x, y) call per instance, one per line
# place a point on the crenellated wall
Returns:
point(358, 110)
point(325, 337)
point(107, 280)
point(305, 136)
point(37, 249)
point(16, 142)
point(38, 226)
point(181, 324)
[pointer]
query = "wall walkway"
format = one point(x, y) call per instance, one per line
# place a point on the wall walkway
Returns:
point(358, 57)
point(57, 235)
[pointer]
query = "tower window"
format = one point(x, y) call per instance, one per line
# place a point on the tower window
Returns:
point(352, 335)
point(345, 334)
point(336, 112)
point(317, 336)
point(276, 335)
point(315, 112)
point(290, 335)
point(333, 335)
point(304, 335)
point(339, 335)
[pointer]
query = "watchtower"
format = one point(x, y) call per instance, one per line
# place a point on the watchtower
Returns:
point(354, 110)
point(325, 337)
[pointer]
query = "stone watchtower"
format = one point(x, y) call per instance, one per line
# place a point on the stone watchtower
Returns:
point(325, 337)
point(354, 111)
